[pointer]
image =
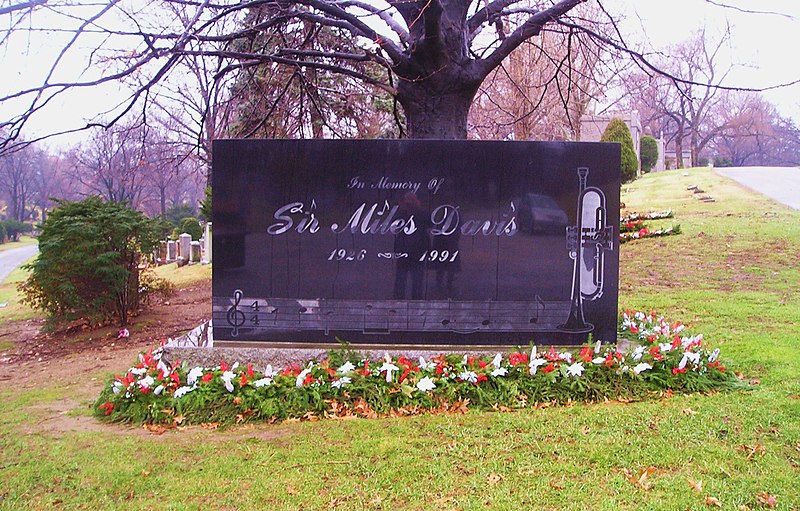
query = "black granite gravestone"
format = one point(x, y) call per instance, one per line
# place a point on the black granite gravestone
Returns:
point(414, 242)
